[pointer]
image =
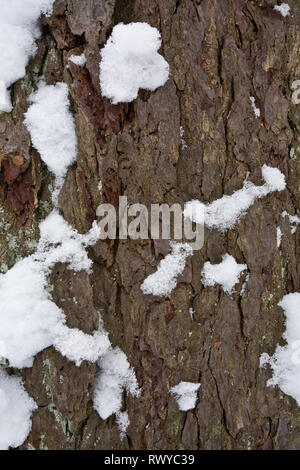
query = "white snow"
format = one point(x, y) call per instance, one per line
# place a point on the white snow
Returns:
point(164, 280)
point(19, 29)
point(52, 127)
point(278, 236)
point(130, 61)
point(123, 422)
point(28, 316)
point(16, 408)
point(183, 142)
point(286, 360)
point(186, 395)
point(244, 284)
point(284, 9)
point(294, 221)
point(78, 346)
point(79, 60)
point(60, 243)
point(115, 375)
point(5, 104)
point(225, 213)
point(255, 109)
point(226, 273)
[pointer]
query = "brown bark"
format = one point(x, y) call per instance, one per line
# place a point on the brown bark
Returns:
point(220, 52)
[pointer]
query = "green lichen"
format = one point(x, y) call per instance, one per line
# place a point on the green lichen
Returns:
point(63, 422)
point(3, 268)
point(175, 427)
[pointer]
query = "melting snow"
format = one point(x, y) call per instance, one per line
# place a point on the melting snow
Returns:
point(130, 61)
point(226, 273)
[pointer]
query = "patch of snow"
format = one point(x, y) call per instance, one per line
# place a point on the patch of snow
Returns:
point(225, 213)
point(52, 129)
point(28, 316)
point(185, 394)
point(60, 243)
point(284, 9)
point(19, 30)
point(226, 273)
point(191, 312)
point(16, 408)
point(130, 61)
point(78, 346)
point(164, 280)
point(123, 422)
point(244, 284)
point(115, 375)
point(294, 221)
point(255, 109)
point(278, 236)
point(286, 360)
point(5, 104)
point(79, 60)
point(183, 142)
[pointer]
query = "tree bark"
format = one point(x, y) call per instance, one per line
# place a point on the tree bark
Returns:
point(220, 53)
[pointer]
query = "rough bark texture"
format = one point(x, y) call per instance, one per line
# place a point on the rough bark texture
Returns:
point(220, 52)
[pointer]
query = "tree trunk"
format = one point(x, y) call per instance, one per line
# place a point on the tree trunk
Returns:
point(220, 52)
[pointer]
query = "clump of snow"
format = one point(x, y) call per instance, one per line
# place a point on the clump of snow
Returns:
point(115, 375)
point(286, 360)
point(16, 408)
point(130, 61)
point(79, 60)
point(255, 109)
point(78, 346)
point(284, 9)
point(52, 128)
point(278, 236)
point(28, 316)
point(19, 30)
point(294, 221)
point(224, 213)
point(186, 395)
point(226, 273)
point(164, 280)
point(60, 243)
